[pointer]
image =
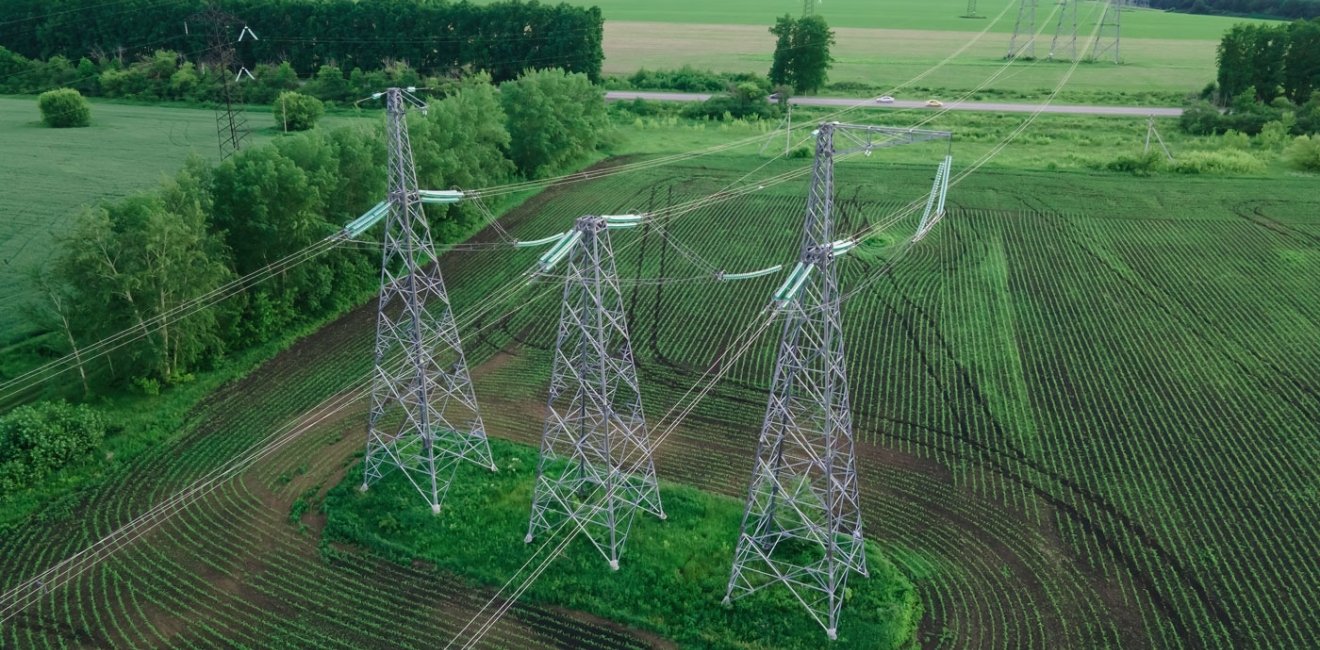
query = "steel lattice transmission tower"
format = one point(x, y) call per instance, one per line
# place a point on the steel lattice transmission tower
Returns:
point(802, 527)
point(230, 121)
point(424, 419)
point(1111, 32)
point(595, 468)
point(1067, 15)
point(971, 10)
point(809, 7)
point(1024, 30)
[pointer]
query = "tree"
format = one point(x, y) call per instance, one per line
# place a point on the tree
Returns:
point(802, 52)
point(554, 118)
point(781, 66)
point(296, 111)
point(1234, 62)
point(133, 262)
point(1301, 65)
point(267, 207)
point(64, 108)
point(811, 46)
point(461, 144)
point(1268, 46)
point(271, 202)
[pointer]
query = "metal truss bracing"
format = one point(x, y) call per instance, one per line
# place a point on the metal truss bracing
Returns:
point(1065, 42)
point(595, 469)
point(230, 121)
point(1110, 38)
point(424, 419)
point(971, 10)
point(1023, 43)
point(802, 527)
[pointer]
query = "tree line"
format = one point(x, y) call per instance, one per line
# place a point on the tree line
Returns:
point(434, 37)
point(169, 75)
point(1264, 8)
point(1270, 61)
point(128, 262)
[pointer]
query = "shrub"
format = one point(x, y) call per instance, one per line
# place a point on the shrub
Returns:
point(1139, 165)
point(64, 108)
point(1230, 161)
point(38, 439)
point(1304, 153)
point(296, 111)
point(1236, 140)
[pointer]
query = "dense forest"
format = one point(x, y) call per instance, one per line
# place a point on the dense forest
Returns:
point(1275, 8)
point(439, 38)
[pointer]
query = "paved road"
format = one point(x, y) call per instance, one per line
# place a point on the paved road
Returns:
point(988, 107)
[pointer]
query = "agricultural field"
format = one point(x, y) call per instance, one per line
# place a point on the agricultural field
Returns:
point(1166, 53)
point(1085, 409)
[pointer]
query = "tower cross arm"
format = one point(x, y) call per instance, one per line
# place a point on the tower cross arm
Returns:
point(862, 137)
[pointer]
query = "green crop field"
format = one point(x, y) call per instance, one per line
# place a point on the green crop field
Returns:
point(48, 175)
point(881, 44)
point(936, 15)
point(1085, 409)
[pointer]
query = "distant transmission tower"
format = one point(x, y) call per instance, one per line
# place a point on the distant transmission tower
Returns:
point(809, 7)
point(424, 418)
point(1111, 33)
point(595, 468)
point(1024, 32)
point(802, 527)
point(230, 122)
point(1067, 14)
point(971, 10)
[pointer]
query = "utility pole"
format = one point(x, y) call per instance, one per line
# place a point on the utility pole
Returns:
point(788, 130)
point(1152, 131)
point(424, 418)
point(230, 122)
point(1066, 11)
point(802, 526)
point(1024, 30)
point(1111, 32)
point(595, 468)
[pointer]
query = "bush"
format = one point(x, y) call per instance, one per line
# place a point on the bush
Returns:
point(296, 111)
point(1139, 165)
point(64, 108)
point(38, 439)
point(1230, 161)
point(1304, 153)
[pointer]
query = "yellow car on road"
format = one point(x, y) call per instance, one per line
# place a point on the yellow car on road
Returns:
point(934, 103)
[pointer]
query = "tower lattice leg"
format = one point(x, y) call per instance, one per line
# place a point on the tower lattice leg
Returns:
point(424, 418)
point(595, 469)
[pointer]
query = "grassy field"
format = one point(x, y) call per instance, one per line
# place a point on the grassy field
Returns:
point(50, 174)
point(1085, 408)
point(934, 15)
point(669, 571)
point(888, 43)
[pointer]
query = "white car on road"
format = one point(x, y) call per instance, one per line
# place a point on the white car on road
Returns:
point(884, 100)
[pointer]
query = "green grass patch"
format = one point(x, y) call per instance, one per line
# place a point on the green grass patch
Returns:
point(672, 576)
